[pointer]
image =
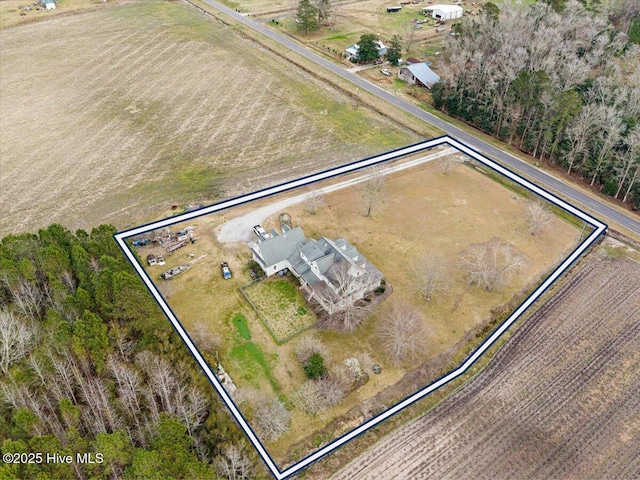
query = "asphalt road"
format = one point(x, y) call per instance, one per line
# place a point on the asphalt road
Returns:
point(591, 205)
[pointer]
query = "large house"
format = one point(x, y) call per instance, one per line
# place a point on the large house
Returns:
point(331, 273)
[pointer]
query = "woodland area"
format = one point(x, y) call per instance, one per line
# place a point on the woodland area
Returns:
point(558, 80)
point(90, 365)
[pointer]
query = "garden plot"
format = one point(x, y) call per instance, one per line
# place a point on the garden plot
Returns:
point(281, 306)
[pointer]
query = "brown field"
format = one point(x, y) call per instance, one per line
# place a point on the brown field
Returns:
point(130, 109)
point(559, 400)
point(10, 10)
point(424, 212)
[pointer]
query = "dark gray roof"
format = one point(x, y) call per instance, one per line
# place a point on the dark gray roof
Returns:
point(275, 249)
point(325, 262)
point(311, 250)
point(310, 277)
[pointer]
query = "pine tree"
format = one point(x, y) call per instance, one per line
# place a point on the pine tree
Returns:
point(394, 52)
point(307, 16)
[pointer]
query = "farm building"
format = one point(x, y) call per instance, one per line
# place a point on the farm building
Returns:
point(444, 12)
point(48, 4)
point(324, 267)
point(352, 51)
point(420, 74)
point(151, 259)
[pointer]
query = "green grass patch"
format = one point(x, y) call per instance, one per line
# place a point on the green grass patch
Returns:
point(337, 37)
point(285, 290)
point(253, 364)
point(242, 326)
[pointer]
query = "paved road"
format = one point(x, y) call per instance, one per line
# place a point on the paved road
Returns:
point(596, 207)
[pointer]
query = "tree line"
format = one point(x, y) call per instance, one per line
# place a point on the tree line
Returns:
point(557, 80)
point(89, 364)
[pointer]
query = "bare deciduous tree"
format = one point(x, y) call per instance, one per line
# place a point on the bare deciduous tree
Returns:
point(313, 202)
point(204, 338)
point(344, 310)
point(17, 338)
point(538, 216)
point(402, 333)
point(272, 419)
point(448, 161)
point(372, 190)
point(336, 12)
point(432, 276)
point(307, 346)
point(408, 34)
point(315, 396)
point(629, 160)
point(491, 264)
point(27, 297)
point(234, 463)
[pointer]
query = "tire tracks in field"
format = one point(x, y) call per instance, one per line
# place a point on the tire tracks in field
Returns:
point(532, 431)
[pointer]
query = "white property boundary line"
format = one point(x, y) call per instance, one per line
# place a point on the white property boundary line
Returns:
point(599, 229)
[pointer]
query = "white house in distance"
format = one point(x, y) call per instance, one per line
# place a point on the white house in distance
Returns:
point(48, 4)
point(444, 12)
point(419, 74)
point(352, 51)
point(330, 272)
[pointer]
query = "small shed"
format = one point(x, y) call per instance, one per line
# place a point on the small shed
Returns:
point(151, 259)
point(420, 74)
point(444, 12)
point(48, 4)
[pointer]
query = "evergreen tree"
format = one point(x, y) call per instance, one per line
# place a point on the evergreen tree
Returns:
point(394, 52)
point(307, 16)
point(367, 48)
point(324, 10)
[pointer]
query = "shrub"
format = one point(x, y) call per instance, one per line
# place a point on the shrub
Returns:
point(314, 366)
point(307, 346)
point(610, 187)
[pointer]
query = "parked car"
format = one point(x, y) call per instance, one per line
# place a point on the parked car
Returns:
point(260, 232)
point(386, 71)
point(226, 273)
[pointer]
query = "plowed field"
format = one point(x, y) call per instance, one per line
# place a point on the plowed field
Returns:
point(114, 115)
point(560, 399)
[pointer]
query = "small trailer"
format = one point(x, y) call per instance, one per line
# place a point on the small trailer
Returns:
point(173, 272)
point(394, 9)
point(175, 246)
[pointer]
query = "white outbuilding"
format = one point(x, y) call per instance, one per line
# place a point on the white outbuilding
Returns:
point(444, 12)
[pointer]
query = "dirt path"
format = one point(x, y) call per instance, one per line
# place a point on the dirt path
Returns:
point(240, 229)
point(561, 400)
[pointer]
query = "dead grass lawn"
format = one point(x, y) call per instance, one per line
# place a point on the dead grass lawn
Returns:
point(424, 212)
